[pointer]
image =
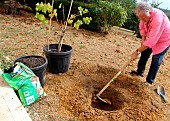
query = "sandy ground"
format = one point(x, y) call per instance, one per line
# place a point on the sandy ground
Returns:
point(96, 58)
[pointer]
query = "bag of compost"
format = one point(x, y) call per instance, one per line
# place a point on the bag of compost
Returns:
point(25, 82)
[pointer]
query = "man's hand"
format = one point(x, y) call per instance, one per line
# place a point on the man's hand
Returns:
point(134, 55)
point(138, 51)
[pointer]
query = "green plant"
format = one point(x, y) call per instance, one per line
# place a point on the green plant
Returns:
point(81, 46)
point(46, 9)
point(78, 23)
point(30, 3)
point(49, 9)
point(155, 4)
point(4, 60)
point(132, 23)
point(110, 14)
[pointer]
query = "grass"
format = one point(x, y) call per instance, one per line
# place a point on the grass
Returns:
point(4, 62)
point(73, 119)
point(162, 72)
point(81, 46)
point(6, 19)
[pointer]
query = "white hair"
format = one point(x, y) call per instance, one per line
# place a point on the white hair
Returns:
point(143, 7)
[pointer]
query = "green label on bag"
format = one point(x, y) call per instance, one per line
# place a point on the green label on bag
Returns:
point(28, 94)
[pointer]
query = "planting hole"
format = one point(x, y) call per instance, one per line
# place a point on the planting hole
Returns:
point(113, 96)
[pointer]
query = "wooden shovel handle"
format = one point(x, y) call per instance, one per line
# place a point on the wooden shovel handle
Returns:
point(0, 70)
point(114, 78)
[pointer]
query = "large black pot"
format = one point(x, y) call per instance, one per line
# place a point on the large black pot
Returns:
point(40, 70)
point(58, 62)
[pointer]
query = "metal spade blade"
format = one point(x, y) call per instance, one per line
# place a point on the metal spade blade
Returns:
point(161, 92)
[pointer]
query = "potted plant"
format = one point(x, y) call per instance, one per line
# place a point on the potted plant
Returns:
point(37, 64)
point(58, 55)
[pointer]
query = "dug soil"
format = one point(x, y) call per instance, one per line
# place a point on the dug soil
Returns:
point(96, 58)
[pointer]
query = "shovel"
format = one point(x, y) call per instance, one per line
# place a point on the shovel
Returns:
point(161, 92)
point(113, 79)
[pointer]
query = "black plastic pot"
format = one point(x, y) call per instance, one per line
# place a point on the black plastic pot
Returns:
point(58, 62)
point(39, 71)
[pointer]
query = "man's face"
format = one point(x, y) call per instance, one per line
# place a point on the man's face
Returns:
point(143, 16)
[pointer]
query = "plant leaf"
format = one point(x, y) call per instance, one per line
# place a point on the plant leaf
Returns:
point(80, 10)
point(45, 21)
point(60, 5)
point(70, 21)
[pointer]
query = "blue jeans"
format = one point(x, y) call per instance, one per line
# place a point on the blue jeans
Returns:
point(155, 64)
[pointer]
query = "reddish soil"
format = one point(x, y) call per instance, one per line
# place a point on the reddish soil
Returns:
point(96, 58)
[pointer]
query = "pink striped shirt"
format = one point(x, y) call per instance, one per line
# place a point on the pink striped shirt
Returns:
point(157, 31)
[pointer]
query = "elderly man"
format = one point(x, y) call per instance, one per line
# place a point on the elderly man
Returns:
point(155, 31)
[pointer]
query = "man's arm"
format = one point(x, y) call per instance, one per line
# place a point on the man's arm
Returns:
point(143, 39)
point(140, 49)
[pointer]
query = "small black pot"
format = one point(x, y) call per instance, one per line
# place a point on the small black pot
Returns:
point(58, 62)
point(39, 71)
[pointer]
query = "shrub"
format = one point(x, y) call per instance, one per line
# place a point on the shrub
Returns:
point(110, 14)
point(30, 3)
point(132, 23)
point(168, 14)
point(105, 14)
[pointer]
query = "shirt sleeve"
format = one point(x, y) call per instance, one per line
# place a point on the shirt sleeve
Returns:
point(142, 28)
point(155, 30)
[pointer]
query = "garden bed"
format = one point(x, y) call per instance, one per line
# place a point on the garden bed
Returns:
point(95, 60)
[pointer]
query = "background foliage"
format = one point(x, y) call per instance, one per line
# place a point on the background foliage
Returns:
point(104, 13)
point(110, 14)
